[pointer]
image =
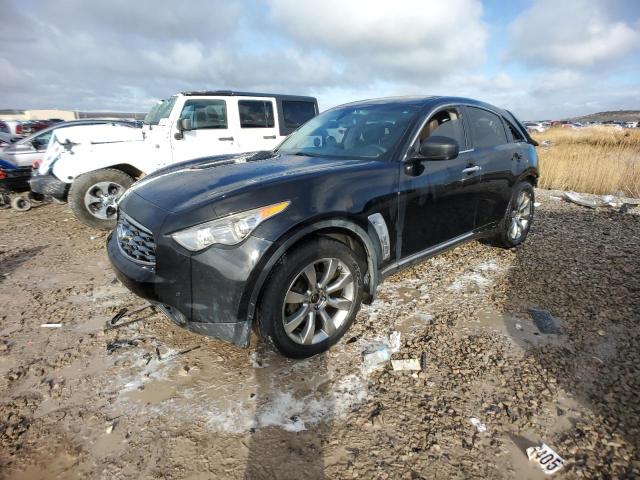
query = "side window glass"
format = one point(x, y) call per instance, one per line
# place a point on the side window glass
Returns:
point(513, 134)
point(296, 113)
point(205, 114)
point(40, 142)
point(256, 114)
point(486, 127)
point(445, 123)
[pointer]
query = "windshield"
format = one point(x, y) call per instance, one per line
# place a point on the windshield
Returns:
point(159, 110)
point(355, 131)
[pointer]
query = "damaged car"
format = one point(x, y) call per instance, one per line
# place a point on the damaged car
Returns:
point(293, 240)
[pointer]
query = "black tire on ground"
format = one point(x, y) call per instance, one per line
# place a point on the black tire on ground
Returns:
point(503, 237)
point(20, 203)
point(270, 312)
point(113, 182)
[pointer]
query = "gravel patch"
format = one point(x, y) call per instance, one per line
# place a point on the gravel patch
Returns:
point(491, 383)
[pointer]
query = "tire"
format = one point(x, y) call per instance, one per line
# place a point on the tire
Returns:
point(517, 214)
point(20, 203)
point(88, 191)
point(328, 313)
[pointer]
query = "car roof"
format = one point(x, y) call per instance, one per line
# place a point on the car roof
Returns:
point(233, 93)
point(424, 101)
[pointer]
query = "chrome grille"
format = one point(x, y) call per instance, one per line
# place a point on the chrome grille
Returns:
point(135, 241)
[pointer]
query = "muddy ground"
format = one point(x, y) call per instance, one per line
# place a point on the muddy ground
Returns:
point(135, 402)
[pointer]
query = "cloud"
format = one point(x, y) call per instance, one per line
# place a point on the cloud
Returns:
point(388, 41)
point(571, 34)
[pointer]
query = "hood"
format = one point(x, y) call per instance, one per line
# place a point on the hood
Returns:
point(191, 184)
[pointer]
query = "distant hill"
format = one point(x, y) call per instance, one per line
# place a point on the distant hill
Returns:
point(618, 115)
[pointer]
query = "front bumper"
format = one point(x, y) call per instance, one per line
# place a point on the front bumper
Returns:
point(49, 185)
point(206, 292)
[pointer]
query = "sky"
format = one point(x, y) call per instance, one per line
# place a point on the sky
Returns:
point(542, 59)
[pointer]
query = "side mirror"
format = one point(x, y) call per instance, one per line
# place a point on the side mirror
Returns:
point(185, 124)
point(438, 148)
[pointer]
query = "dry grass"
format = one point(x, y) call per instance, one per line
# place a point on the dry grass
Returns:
point(596, 160)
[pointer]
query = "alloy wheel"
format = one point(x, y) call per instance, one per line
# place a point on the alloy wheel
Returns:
point(101, 199)
point(520, 217)
point(318, 301)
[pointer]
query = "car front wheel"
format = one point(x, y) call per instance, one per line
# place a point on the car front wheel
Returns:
point(311, 298)
point(93, 197)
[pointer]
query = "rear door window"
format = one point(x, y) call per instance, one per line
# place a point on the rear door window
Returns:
point(296, 112)
point(486, 128)
point(256, 114)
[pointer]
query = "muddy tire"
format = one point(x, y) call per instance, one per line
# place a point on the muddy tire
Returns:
point(311, 298)
point(515, 225)
point(93, 196)
point(20, 203)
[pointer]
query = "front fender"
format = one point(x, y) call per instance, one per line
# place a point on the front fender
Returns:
point(371, 245)
point(73, 163)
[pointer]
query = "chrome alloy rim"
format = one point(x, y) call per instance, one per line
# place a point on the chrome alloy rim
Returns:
point(521, 213)
point(101, 199)
point(318, 301)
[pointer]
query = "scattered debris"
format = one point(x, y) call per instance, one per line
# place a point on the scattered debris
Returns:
point(544, 456)
point(118, 344)
point(113, 323)
point(481, 427)
point(545, 322)
point(376, 352)
point(518, 326)
point(109, 429)
point(373, 360)
point(604, 201)
point(51, 325)
point(177, 354)
point(537, 204)
point(412, 364)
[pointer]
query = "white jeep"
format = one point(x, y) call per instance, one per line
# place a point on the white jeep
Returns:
point(92, 171)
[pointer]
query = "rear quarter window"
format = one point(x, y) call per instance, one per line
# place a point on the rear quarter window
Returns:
point(486, 128)
point(295, 112)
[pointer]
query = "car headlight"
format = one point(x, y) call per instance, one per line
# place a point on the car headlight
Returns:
point(229, 230)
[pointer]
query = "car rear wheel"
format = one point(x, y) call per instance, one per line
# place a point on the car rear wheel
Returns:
point(518, 218)
point(93, 197)
point(311, 298)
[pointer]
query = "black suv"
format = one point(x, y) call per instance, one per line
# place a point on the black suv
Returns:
point(297, 238)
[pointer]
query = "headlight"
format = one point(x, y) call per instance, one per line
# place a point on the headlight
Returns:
point(228, 230)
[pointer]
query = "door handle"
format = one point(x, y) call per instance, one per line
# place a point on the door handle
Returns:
point(269, 137)
point(225, 139)
point(475, 168)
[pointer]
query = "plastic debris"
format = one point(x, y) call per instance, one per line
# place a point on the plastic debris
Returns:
point(373, 360)
point(544, 456)
point(583, 201)
point(604, 201)
point(378, 351)
point(51, 325)
point(545, 322)
point(412, 364)
point(536, 204)
point(109, 429)
point(481, 427)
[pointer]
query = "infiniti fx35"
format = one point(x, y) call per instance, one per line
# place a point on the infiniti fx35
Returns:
point(292, 241)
